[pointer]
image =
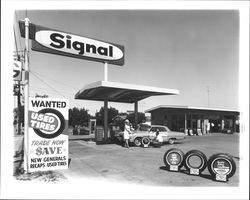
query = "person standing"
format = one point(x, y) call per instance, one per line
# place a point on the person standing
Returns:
point(208, 128)
point(126, 133)
point(158, 141)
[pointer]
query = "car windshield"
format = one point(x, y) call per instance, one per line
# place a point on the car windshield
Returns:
point(144, 127)
point(161, 129)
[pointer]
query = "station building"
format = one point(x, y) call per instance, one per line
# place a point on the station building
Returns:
point(195, 120)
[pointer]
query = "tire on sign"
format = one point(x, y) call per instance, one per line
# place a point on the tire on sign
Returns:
point(145, 141)
point(61, 123)
point(221, 164)
point(173, 159)
point(194, 168)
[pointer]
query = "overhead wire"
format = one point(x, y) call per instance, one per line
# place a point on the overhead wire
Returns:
point(47, 84)
point(45, 90)
point(55, 91)
point(61, 83)
point(67, 97)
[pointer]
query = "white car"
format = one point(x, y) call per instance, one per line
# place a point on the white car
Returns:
point(167, 135)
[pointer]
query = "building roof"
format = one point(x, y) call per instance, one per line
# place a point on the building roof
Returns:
point(189, 108)
point(120, 92)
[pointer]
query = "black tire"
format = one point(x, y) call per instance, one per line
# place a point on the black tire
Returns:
point(173, 150)
point(226, 158)
point(137, 142)
point(145, 141)
point(61, 118)
point(196, 153)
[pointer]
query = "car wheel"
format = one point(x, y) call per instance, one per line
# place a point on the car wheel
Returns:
point(137, 142)
point(221, 164)
point(171, 141)
point(173, 157)
point(195, 167)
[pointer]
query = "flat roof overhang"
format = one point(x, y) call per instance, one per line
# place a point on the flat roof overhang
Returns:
point(184, 107)
point(120, 92)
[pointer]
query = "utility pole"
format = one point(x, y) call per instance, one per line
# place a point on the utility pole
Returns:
point(208, 91)
point(18, 108)
point(17, 92)
point(26, 96)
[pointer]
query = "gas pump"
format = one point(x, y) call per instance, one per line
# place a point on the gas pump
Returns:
point(92, 126)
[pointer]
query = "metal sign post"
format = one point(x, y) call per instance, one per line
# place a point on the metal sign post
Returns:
point(26, 95)
point(105, 71)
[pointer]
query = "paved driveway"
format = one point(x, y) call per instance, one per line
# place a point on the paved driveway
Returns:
point(145, 165)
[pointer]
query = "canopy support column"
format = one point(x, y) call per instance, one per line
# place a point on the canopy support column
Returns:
point(136, 114)
point(105, 119)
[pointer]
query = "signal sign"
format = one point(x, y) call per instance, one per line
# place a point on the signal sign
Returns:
point(17, 69)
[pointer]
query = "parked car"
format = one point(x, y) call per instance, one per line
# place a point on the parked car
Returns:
point(150, 132)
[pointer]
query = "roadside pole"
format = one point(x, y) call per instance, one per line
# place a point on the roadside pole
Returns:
point(26, 95)
point(18, 109)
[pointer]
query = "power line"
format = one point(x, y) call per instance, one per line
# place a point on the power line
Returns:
point(61, 83)
point(67, 97)
point(44, 90)
point(47, 84)
point(54, 89)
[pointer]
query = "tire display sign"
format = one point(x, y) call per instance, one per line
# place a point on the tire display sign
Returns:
point(195, 162)
point(47, 139)
point(66, 44)
point(221, 167)
point(145, 141)
point(173, 159)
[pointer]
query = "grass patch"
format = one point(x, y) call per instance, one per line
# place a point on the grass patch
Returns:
point(44, 176)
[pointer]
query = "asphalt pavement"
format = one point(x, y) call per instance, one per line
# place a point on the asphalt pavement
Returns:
point(145, 165)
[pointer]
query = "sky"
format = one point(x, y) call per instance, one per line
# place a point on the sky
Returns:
point(187, 50)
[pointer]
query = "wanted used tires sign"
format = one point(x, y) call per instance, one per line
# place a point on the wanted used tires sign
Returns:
point(47, 138)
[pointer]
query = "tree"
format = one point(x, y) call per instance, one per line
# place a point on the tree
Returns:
point(19, 113)
point(112, 112)
point(78, 117)
point(141, 118)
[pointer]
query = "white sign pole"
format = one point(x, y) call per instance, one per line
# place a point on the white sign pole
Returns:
point(26, 96)
point(105, 71)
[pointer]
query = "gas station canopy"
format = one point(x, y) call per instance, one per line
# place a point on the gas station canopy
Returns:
point(120, 92)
